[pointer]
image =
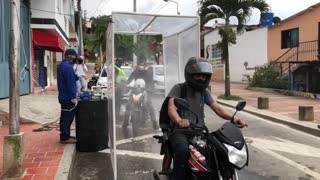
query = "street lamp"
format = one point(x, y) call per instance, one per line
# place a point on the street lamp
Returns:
point(174, 2)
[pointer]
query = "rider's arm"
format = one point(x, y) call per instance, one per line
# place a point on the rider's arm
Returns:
point(219, 111)
point(172, 111)
point(174, 116)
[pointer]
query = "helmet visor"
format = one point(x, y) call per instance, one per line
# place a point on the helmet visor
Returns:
point(200, 68)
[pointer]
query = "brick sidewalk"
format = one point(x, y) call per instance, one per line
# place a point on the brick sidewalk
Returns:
point(281, 104)
point(43, 152)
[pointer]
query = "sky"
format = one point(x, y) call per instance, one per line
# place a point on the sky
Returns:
point(280, 8)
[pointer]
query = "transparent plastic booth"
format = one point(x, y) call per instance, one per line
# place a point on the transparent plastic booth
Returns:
point(158, 45)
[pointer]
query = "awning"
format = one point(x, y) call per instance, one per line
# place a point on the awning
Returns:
point(49, 41)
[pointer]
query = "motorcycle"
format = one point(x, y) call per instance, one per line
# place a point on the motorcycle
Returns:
point(213, 155)
point(93, 81)
point(135, 108)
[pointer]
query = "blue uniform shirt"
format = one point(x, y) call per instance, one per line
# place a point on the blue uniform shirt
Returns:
point(67, 78)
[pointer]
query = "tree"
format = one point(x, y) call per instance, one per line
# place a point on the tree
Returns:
point(225, 9)
point(99, 29)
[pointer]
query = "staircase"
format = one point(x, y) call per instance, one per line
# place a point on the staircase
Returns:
point(292, 59)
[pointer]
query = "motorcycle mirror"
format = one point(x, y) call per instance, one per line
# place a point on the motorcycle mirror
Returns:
point(181, 103)
point(240, 106)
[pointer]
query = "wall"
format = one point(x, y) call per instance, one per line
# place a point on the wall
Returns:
point(47, 5)
point(56, 11)
point(308, 31)
point(218, 69)
point(251, 47)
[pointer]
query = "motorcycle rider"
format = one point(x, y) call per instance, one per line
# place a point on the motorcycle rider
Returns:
point(141, 72)
point(198, 72)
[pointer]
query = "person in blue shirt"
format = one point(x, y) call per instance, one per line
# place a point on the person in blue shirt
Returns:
point(67, 88)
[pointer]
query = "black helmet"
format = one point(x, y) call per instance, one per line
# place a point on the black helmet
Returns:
point(198, 66)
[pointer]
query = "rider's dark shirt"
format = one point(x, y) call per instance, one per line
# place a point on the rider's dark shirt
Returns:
point(196, 100)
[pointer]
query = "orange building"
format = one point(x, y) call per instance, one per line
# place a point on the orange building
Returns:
point(294, 46)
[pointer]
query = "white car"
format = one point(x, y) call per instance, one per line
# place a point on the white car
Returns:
point(103, 77)
point(128, 70)
point(158, 77)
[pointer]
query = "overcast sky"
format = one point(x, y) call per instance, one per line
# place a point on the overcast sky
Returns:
point(281, 8)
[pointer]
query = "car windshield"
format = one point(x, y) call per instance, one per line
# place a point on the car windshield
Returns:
point(128, 71)
point(104, 73)
point(159, 71)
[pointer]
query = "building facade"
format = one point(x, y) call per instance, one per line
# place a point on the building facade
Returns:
point(293, 47)
point(249, 52)
point(53, 26)
point(24, 50)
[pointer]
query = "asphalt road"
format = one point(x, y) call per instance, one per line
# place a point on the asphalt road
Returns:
point(276, 153)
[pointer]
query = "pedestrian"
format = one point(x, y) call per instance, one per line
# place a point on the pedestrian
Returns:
point(81, 69)
point(67, 88)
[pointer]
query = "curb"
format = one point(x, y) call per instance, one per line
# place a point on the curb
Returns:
point(307, 127)
point(65, 166)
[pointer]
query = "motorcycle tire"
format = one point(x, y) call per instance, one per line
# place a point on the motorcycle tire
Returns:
point(90, 84)
point(135, 124)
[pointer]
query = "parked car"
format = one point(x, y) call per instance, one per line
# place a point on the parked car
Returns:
point(103, 77)
point(128, 70)
point(158, 77)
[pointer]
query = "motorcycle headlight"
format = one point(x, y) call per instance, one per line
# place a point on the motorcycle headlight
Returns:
point(136, 98)
point(239, 158)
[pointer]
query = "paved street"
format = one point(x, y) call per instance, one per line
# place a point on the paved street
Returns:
point(276, 152)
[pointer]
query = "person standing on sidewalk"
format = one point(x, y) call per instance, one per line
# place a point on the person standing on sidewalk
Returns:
point(67, 88)
point(81, 69)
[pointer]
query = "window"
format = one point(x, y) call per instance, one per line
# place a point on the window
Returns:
point(216, 52)
point(290, 38)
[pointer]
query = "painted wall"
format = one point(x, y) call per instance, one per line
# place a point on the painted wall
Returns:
point(251, 47)
point(307, 22)
point(55, 10)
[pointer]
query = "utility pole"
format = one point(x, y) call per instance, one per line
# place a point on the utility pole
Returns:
point(14, 63)
point(135, 36)
point(13, 147)
point(134, 5)
point(80, 29)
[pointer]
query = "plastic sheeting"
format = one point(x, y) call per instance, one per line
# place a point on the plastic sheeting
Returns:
point(181, 40)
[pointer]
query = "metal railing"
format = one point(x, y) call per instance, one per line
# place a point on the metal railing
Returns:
point(305, 52)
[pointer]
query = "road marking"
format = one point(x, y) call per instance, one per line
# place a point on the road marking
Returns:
point(154, 156)
point(273, 123)
point(267, 146)
point(139, 138)
point(286, 146)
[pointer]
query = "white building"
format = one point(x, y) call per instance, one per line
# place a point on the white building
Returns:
point(251, 49)
point(53, 28)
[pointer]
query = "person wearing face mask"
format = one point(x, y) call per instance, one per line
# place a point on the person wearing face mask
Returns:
point(67, 88)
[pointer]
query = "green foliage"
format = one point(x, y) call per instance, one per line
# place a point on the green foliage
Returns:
point(240, 9)
point(268, 77)
point(231, 97)
point(124, 47)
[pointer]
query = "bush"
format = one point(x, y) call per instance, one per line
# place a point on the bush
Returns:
point(268, 77)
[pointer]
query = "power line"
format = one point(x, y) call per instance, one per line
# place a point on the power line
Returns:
point(51, 12)
point(96, 7)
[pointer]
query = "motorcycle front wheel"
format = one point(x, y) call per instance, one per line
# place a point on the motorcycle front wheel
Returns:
point(135, 122)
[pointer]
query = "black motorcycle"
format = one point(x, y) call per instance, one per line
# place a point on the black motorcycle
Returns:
point(136, 106)
point(213, 155)
point(93, 81)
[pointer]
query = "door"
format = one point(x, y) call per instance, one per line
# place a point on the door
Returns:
point(4, 49)
point(24, 51)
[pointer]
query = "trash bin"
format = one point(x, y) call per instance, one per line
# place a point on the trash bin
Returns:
point(92, 125)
